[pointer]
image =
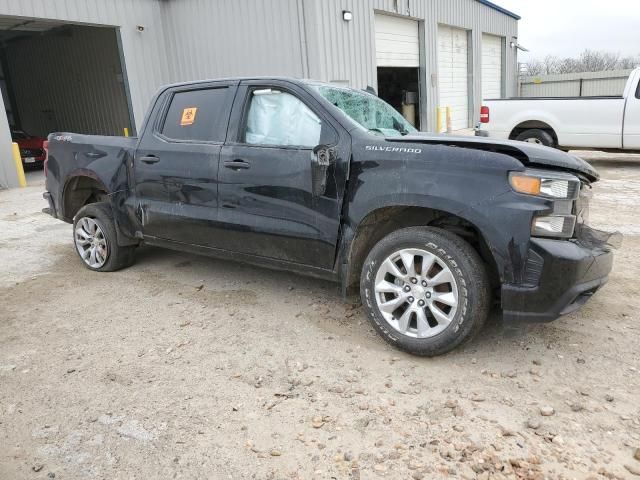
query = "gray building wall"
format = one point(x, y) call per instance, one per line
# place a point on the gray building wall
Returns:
point(208, 39)
point(309, 38)
point(197, 39)
point(194, 39)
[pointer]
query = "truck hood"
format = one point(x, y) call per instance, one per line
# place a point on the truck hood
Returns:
point(529, 154)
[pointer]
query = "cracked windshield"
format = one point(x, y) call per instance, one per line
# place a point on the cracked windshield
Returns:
point(368, 111)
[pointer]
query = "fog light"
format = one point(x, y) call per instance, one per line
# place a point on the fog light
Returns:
point(553, 226)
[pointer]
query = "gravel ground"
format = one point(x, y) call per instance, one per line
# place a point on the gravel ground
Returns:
point(190, 367)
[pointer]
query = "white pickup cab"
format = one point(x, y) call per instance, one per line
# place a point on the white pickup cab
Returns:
point(598, 123)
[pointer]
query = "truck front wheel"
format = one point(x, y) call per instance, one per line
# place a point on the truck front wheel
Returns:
point(94, 236)
point(425, 290)
point(538, 136)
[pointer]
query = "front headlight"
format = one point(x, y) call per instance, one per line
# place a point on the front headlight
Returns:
point(554, 185)
point(563, 188)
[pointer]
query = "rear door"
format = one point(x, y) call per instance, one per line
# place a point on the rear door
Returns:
point(176, 163)
point(282, 176)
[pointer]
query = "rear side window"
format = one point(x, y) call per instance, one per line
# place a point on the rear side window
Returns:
point(198, 115)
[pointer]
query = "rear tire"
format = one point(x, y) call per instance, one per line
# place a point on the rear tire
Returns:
point(537, 136)
point(440, 300)
point(95, 239)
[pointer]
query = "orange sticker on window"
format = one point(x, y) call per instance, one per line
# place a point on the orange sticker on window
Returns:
point(188, 116)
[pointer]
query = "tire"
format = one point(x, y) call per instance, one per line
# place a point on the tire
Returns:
point(536, 135)
point(95, 222)
point(459, 262)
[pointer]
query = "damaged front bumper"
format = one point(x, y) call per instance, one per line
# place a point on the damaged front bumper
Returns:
point(568, 274)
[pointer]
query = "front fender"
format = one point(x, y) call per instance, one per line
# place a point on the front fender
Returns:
point(469, 184)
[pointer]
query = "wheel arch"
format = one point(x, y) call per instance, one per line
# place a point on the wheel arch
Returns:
point(533, 124)
point(381, 221)
point(80, 189)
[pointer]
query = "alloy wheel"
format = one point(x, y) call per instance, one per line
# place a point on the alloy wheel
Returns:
point(416, 293)
point(91, 242)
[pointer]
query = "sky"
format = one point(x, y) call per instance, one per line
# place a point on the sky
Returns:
point(565, 28)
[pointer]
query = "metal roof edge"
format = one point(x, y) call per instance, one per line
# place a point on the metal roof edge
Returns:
point(499, 8)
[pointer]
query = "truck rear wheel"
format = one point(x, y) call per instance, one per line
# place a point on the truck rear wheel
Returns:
point(425, 290)
point(538, 136)
point(94, 236)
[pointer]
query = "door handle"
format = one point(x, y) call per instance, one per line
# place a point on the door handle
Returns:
point(95, 154)
point(150, 159)
point(237, 164)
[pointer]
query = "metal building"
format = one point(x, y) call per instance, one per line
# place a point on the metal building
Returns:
point(91, 66)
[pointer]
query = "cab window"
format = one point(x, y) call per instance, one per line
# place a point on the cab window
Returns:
point(277, 118)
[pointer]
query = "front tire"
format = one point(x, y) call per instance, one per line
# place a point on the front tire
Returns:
point(537, 136)
point(425, 290)
point(95, 239)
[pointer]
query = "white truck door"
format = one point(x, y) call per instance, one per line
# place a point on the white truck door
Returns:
point(631, 126)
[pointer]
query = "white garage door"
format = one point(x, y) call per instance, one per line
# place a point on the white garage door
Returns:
point(453, 70)
point(397, 42)
point(491, 66)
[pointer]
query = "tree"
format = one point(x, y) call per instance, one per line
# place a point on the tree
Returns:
point(587, 61)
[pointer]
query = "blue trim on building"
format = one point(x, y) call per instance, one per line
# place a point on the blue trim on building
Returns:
point(499, 8)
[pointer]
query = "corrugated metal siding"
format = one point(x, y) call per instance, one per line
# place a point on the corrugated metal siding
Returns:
point(209, 39)
point(187, 39)
point(568, 85)
point(144, 53)
point(69, 80)
point(345, 51)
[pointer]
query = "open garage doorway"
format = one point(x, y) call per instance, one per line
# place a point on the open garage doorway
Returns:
point(398, 62)
point(398, 86)
point(61, 77)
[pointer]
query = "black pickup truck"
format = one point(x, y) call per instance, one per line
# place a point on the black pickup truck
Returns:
point(333, 182)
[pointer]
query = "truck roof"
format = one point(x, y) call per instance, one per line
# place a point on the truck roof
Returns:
point(296, 81)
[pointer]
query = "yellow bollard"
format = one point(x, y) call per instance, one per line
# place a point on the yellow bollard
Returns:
point(126, 132)
point(438, 120)
point(448, 119)
point(17, 159)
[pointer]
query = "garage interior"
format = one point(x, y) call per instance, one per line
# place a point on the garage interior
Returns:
point(62, 77)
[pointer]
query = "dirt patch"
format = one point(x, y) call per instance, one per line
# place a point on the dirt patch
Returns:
point(189, 367)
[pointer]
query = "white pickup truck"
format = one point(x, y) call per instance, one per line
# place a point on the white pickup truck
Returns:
point(598, 123)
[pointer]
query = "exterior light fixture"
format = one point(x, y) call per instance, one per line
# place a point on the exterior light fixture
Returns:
point(347, 15)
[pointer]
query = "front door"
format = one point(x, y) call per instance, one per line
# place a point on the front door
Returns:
point(176, 163)
point(282, 177)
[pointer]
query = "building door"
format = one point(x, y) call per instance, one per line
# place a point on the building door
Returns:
point(492, 54)
point(398, 62)
point(453, 74)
